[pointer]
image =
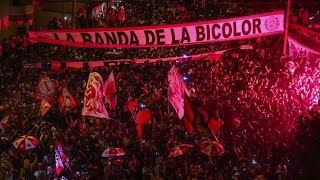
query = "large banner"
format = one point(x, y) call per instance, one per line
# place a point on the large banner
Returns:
point(298, 49)
point(167, 35)
point(307, 37)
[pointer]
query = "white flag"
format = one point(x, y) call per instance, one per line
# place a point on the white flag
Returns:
point(176, 91)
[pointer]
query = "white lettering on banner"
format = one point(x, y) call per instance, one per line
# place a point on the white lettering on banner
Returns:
point(167, 35)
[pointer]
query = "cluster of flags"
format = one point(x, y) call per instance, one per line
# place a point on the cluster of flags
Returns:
point(196, 118)
point(47, 90)
point(93, 98)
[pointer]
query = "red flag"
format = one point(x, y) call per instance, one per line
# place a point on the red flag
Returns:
point(199, 119)
point(143, 116)
point(47, 88)
point(132, 105)
point(93, 105)
point(61, 160)
point(66, 101)
point(109, 92)
point(214, 126)
point(188, 115)
point(122, 15)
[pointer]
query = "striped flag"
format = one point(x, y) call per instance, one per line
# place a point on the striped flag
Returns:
point(61, 160)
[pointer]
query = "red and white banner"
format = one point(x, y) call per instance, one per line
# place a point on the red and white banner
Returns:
point(61, 160)
point(109, 92)
point(93, 105)
point(167, 35)
point(66, 101)
point(46, 89)
point(176, 91)
point(305, 36)
point(298, 49)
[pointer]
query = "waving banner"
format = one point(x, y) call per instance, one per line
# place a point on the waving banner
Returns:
point(61, 160)
point(46, 89)
point(166, 35)
point(298, 49)
point(66, 101)
point(176, 91)
point(93, 105)
point(307, 37)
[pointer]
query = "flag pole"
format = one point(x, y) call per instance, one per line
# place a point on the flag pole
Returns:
point(215, 137)
point(286, 29)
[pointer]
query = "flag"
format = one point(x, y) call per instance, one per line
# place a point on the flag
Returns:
point(215, 55)
point(132, 106)
point(46, 88)
point(141, 118)
point(61, 160)
point(122, 14)
point(199, 119)
point(176, 91)
point(206, 123)
point(298, 49)
point(93, 105)
point(109, 92)
point(189, 115)
point(214, 126)
point(65, 100)
point(4, 123)
point(44, 107)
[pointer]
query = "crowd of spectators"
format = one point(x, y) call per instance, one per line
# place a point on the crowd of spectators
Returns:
point(262, 89)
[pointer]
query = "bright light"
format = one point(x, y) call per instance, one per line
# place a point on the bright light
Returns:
point(254, 162)
point(185, 56)
point(65, 18)
point(184, 78)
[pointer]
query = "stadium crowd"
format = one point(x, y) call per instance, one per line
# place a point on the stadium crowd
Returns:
point(263, 90)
